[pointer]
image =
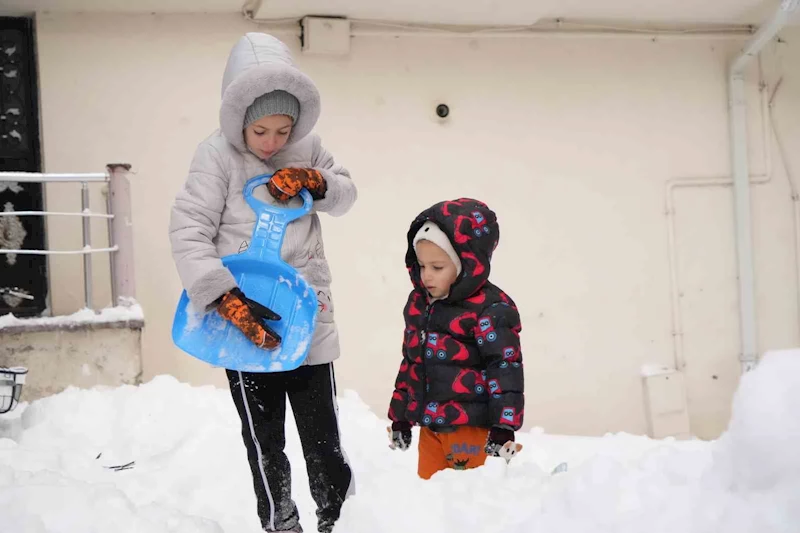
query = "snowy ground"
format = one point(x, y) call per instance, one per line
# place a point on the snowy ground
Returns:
point(190, 474)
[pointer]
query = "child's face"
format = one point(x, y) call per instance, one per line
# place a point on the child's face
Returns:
point(436, 269)
point(267, 135)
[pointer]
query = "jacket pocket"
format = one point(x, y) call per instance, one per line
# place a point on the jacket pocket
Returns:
point(324, 305)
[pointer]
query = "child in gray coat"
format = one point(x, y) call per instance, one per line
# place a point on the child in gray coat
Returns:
point(268, 111)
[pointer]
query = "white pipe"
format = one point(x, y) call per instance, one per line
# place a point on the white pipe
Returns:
point(38, 177)
point(766, 32)
point(794, 192)
point(743, 221)
point(675, 291)
point(87, 250)
point(675, 183)
point(796, 208)
point(88, 214)
point(741, 182)
point(545, 33)
point(87, 243)
point(371, 28)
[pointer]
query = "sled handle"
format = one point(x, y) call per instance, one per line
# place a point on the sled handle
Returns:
point(271, 221)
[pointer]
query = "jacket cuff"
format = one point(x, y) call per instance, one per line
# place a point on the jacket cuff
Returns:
point(501, 435)
point(210, 287)
point(401, 426)
point(340, 196)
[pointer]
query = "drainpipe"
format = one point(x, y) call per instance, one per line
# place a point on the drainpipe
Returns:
point(741, 182)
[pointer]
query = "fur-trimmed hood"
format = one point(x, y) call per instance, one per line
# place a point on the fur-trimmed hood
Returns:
point(474, 234)
point(259, 64)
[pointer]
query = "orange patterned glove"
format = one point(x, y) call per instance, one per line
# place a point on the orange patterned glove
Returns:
point(249, 317)
point(287, 182)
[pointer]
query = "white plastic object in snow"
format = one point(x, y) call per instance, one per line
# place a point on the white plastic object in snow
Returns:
point(509, 450)
point(11, 382)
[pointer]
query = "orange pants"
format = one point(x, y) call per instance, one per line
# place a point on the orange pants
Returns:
point(461, 449)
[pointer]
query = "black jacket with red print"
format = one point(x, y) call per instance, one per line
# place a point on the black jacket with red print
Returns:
point(461, 355)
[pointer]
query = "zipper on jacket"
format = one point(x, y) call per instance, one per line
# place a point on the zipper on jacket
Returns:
point(426, 317)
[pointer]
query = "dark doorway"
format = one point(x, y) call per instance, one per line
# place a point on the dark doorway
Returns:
point(23, 278)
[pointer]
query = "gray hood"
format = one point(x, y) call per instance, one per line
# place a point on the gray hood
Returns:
point(258, 64)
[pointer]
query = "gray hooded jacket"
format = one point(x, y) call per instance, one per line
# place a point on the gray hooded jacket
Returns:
point(210, 218)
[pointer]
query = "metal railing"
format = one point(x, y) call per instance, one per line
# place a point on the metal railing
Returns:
point(120, 228)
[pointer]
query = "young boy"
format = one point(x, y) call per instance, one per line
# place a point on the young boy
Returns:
point(268, 111)
point(461, 376)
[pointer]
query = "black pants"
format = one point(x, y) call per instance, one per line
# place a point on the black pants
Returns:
point(261, 402)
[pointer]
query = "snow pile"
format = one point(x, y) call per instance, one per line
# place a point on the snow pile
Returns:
point(761, 450)
point(58, 477)
point(132, 312)
point(70, 471)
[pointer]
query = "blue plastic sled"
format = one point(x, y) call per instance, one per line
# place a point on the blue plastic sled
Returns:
point(264, 277)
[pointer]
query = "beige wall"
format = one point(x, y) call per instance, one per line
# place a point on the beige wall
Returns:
point(571, 140)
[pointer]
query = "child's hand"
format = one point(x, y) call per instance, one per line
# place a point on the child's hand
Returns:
point(249, 317)
point(399, 436)
point(500, 443)
point(286, 183)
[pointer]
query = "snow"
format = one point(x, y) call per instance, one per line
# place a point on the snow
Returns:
point(194, 318)
point(190, 473)
point(84, 316)
point(302, 346)
point(761, 449)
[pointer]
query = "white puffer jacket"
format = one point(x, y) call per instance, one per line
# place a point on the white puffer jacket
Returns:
point(210, 218)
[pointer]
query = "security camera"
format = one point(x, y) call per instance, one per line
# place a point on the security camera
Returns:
point(442, 110)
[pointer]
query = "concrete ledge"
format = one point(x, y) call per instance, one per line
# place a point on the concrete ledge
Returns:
point(83, 350)
point(129, 317)
point(74, 326)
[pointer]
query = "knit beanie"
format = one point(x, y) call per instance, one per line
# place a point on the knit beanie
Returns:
point(272, 103)
point(430, 231)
